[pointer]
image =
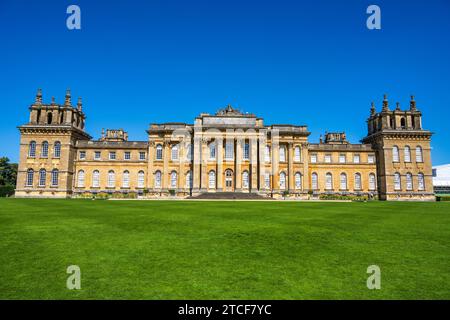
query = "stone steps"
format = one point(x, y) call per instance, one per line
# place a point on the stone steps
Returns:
point(230, 195)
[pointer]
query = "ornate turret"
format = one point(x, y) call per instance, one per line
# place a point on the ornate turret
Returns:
point(397, 108)
point(38, 99)
point(68, 100)
point(412, 104)
point(385, 104)
point(79, 105)
point(372, 109)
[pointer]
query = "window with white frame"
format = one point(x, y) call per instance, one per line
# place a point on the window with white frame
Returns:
point(127, 155)
point(371, 158)
point(175, 152)
point(328, 158)
point(44, 149)
point(189, 179)
point(314, 181)
point(419, 155)
point(245, 179)
point(141, 179)
point(159, 152)
point(267, 180)
point(229, 150)
point(97, 155)
point(158, 179)
point(420, 182)
point(212, 150)
point(343, 182)
point(329, 181)
point(409, 181)
point(397, 181)
point(282, 180)
point(298, 180)
point(141, 155)
point(55, 177)
point(407, 152)
point(372, 182)
point(395, 154)
point(112, 155)
point(356, 158)
point(126, 179)
point(32, 149)
point(358, 181)
point(30, 177)
point(42, 177)
point(96, 179)
point(173, 179)
point(57, 149)
point(282, 154)
point(111, 179)
point(342, 158)
point(80, 181)
point(314, 158)
point(297, 154)
point(267, 154)
point(212, 179)
point(82, 155)
point(246, 154)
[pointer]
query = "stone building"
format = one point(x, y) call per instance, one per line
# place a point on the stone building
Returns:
point(228, 151)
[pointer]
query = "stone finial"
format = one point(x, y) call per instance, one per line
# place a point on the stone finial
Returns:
point(68, 100)
point(321, 139)
point(38, 99)
point(79, 104)
point(372, 109)
point(412, 104)
point(53, 100)
point(385, 104)
point(398, 106)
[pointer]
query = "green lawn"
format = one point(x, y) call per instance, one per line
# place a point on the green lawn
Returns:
point(223, 250)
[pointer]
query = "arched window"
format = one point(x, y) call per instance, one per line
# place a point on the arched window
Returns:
point(329, 181)
point(55, 177)
point(343, 181)
point(141, 179)
point(175, 152)
point(80, 181)
point(32, 149)
point(395, 155)
point(358, 184)
point(282, 154)
point(298, 180)
point(282, 180)
point(95, 179)
point(397, 181)
point(212, 179)
point(159, 152)
point(372, 182)
point(49, 118)
point(57, 149)
point(245, 181)
point(111, 179)
point(314, 181)
point(228, 178)
point(212, 150)
point(42, 177)
point(409, 181)
point(419, 156)
point(407, 154)
point(403, 123)
point(267, 180)
point(30, 176)
point(267, 154)
point(420, 182)
point(297, 155)
point(126, 179)
point(189, 179)
point(158, 179)
point(44, 149)
point(173, 179)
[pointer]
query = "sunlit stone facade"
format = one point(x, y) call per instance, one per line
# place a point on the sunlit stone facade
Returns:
point(228, 151)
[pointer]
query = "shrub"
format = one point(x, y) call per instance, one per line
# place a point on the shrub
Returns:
point(6, 191)
point(442, 198)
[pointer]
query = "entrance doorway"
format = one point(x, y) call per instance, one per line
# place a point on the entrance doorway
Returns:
point(228, 180)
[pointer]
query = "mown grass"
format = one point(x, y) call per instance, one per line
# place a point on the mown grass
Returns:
point(223, 250)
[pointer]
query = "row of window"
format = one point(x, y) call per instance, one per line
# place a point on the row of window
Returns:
point(110, 179)
point(406, 154)
point(342, 181)
point(42, 178)
point(342, 158)
point(112, 155)
point(44, 149)
point(409, 181)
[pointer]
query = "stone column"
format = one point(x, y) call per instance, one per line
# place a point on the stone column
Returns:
point(275, 157)
point(196, 159)
point(219, 155)
point(262, 160)
point(306, 173)
point(254, 163)
point(181, 175)
point(166, 173)
point(291, 166)
point(238, 166)
point(150, 158)
point(204, 165)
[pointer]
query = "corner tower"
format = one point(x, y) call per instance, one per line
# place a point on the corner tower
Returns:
point(47, 148)
point(403, 152)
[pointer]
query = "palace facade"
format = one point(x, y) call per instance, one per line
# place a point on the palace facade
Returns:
point(228, 151)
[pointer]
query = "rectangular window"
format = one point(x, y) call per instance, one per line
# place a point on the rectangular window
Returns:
point(342, 158)
point(314, 158)
point(267, 180)
point(112, 155)
point(141, 155)
point(371, 158)
point(267, 154)
point(246, 151)
point(328, 158)
point(297, 155)
point(82, 155)
point(127, 155)
point(356, 158)
point(229, 150)
point(282, 154)
point(97, 155)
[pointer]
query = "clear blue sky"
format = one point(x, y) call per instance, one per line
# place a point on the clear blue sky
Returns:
point(301, 62)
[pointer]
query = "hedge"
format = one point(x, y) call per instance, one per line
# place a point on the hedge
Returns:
point(6, 191)
point(442, 198)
